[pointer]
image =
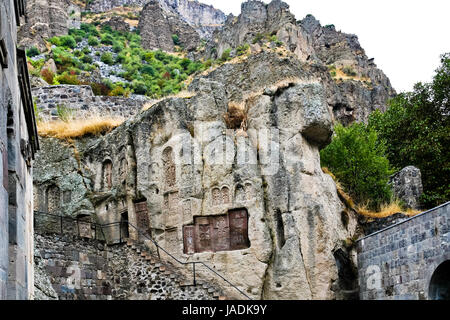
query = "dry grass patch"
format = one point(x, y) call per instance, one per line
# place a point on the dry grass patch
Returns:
point(78, 128)
point(386, 210)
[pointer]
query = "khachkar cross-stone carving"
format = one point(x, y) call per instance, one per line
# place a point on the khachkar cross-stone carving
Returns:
point(216, 196)
point(217, 233)
point(142, 215)
point(189, 246)
point(169, 167)
point(220, 196)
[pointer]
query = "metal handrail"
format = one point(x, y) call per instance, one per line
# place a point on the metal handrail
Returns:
point(145, 234)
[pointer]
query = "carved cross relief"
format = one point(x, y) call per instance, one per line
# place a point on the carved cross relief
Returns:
point(217, 233)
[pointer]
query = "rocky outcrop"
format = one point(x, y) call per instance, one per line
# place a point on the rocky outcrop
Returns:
point(46, 19)
point(181, 164)
point(259, 21)
point(352, 96)
point(118, 23)
point(407, 186)
point(359, 88)
point(203, 18)
point(158, 26)
point(106, 5)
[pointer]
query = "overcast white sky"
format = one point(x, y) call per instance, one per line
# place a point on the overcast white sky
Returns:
point(406, 37)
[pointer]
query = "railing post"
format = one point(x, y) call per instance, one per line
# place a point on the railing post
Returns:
point(120, 232)
point(157, 251)
point(193, 269)
point(61, 218)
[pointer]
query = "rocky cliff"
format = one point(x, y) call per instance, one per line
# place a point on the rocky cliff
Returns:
point(158, 26)
point(193, 168)
point(355, 86)
point(203, 18)
point(188, 20)
point(48, 18)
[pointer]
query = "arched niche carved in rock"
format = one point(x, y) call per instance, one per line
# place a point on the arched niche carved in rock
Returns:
point(169, 167)
point(107, 175)
point(53, 199)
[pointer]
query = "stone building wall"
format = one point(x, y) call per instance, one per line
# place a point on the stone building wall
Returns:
point(83, 102)
point(399, 262)
point(18, 143)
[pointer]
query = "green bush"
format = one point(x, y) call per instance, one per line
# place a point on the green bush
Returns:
point(67, 78)
point(86, 59)
point(67, 42)
point(107, 58)
point(107, 39)
point(357, 158)
point(32, 52)
point(176, 39)
point(416, 131)
point(225, 55)
point(242, 49)
point(349, 71)
point(93, 41)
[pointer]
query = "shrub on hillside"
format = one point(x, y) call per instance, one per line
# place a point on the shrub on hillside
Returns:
point(93, 41)
point(107, 58)
point(47, 75)
point(32, 52)
point(357, 159)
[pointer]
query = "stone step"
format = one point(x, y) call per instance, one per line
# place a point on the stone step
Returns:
point(222, 298)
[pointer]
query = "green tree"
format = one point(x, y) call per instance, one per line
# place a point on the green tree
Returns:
point(357, 159)
point(416, 131)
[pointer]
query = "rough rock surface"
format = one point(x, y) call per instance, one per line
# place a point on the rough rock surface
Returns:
point(203, 18)
point(352, 98)
point(268, 166)
point(407, 186)
point(157, 27)
point(118, 23)
point(46, 19)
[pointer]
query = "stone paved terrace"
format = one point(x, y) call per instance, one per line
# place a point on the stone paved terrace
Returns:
point(409, 260)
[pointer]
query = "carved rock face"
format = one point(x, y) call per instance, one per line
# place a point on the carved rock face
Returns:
point(255, 203)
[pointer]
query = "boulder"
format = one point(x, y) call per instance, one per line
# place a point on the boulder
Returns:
point(407, 186)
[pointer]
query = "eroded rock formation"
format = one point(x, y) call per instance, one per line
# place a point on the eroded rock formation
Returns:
point(352, 96)
point(251, 200)
point(157, 26)
point(46, 19)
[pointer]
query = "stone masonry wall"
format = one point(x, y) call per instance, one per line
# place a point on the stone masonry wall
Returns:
point(82, 100)
point(398, 262)
point(71, 268)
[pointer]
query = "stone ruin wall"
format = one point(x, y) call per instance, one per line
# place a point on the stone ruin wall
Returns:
point(83, 102)
point(73, 268)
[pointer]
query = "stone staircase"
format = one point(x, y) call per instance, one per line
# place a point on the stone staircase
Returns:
point(148, 277)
